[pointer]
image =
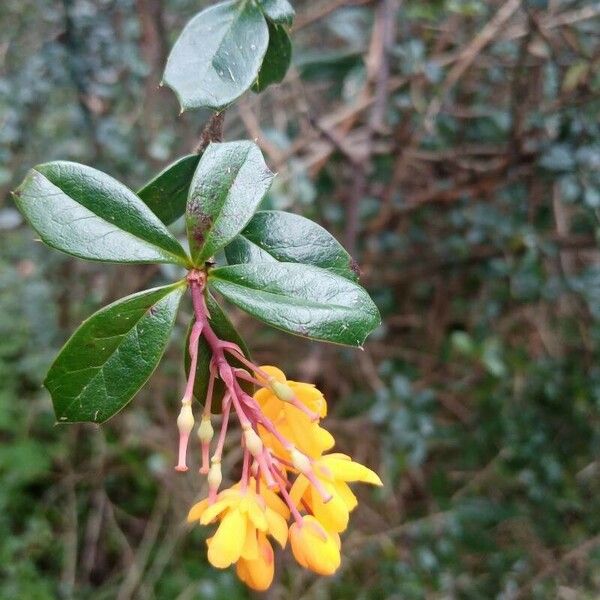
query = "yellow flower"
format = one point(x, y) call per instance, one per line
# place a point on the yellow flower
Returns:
point(314, 547)
point(333, 471)
point(291, 422)
point(242, 515)
point(257, 570)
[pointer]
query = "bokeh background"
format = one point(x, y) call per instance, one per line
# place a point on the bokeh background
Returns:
point(454, 146)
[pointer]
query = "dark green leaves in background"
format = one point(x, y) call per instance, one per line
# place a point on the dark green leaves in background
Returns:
point(228, 186)
point(218, 55)
point(278, 11)
point(286, 237)
point(300, 299)
point(277, 59)
point(88, 214)
point(166, 194)
point(112, 354)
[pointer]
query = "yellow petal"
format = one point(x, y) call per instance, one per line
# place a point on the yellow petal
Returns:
point(250, 548)
point(339, 455)
point(325, 440)
point(333, 515)
point(310, 396)
point(299, 488)
point(277, 526)
point(226, 545)
point(258, 573)
point(257, 515)
point(274, 502)
point(297, 545)
point(302, 429)
point(214, 510)
point(197, 510)
point(271, 371)
point(242, 570)
point(348, 470)
point(314, 547)
point(345, 493)
point(268, 402)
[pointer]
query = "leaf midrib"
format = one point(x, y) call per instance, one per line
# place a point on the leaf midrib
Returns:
point(100, 369)
point(301, 302)
point(236, 16)
point(178, 259)
point(209, 236)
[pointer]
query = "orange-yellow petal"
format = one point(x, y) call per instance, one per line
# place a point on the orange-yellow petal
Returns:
point(226, 545)
point(269, 403)
point(314, 547)
point(347, 470)
point(325, 440)
point(212, 511)
point(310, 396)
point(299, 488)
point(346, 494)
point(197, 510)
point(258, 573)
point(333, 515)
point(274, 502)
point(277, 526)
point(307, 436)
point(256, 514)
point(250, 548)
point(271, 371)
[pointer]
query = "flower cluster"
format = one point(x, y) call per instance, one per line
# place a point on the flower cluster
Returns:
point(291, 487)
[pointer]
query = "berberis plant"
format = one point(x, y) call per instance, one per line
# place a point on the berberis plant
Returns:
point(280, 268)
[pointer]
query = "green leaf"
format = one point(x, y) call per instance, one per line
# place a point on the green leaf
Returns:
point(88, 214)
point(300, 299)
point(225, 330)
point(285, 237)
point(277, 59)
point(279, 11)
point(229, 184)
point(112, 354)
point(166, 194)
point(218, 55)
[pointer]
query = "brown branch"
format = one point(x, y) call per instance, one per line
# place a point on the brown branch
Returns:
point(316, 13)
point(467, 56)
point(579, 552)
point(212, 132)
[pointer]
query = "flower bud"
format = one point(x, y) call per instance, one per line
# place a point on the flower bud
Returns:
point(283, 391)
point(300, 461)
point(185, 420)
point(215, 477)
point(253, 442)
point(205, 430)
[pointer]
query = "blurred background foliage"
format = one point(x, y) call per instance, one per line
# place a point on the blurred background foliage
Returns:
point(454, 146)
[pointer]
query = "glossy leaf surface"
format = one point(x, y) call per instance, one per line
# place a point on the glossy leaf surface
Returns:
point(301, 299)
point(228, 186)
point(87, 213)
point(218, 55)
point(166, 194)
point(277, 59)
point(279, 11)
point(111, 355)
point(286, 237)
